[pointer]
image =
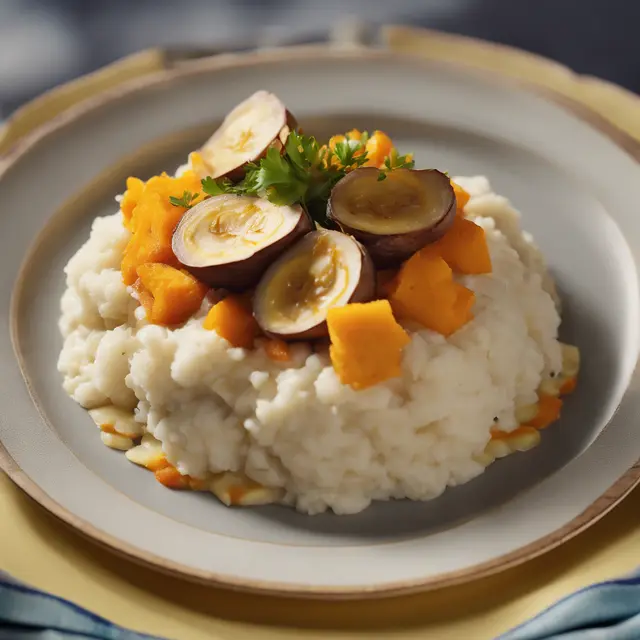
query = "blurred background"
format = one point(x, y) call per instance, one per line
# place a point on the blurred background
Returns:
point(45, 42)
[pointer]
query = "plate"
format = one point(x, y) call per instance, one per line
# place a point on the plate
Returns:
point(574, 186)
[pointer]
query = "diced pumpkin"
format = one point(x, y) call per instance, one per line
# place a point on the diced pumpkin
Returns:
point(277, 350)
point(568, 386)
point(461, 310)
point(424, 270)
point(462, 197)
point(170, 296)
point(232, 319)
point(149, 215)
point(366, 343)
point(151, 242)
point(464, 248)
point(378, 147)
point(426, 293)
point(549, 408)
point(442, 310)
point(131, 197)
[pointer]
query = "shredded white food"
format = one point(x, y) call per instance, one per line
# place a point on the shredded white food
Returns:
point(294, 426)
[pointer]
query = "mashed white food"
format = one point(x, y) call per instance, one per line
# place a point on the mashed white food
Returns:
point(294, 426)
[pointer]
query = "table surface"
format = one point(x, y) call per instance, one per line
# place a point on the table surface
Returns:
point(38, 549)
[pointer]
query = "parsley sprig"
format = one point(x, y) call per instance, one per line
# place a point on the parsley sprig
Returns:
point(395, 161)
point(186, 200)
point(304, 173)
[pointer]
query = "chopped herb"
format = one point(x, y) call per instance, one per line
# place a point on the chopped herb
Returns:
point(351, 153)
point(185, 201)
point(394, 161)
point(304, 173)
point(218, 187)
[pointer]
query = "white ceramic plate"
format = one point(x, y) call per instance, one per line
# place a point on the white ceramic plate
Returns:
point(579, 193)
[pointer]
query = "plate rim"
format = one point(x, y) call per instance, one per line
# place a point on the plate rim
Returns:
point(596, 510)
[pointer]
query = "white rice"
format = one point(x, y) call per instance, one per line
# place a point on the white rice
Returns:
point(294, 425)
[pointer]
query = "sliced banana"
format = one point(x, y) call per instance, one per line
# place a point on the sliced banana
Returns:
point(228, 241)
point(245, 134)
point(323, 270)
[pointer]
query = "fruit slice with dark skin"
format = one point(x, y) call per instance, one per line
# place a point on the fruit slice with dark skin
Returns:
point(246, 133)
point(228, 241)
point(323, 270)
point(395, 217)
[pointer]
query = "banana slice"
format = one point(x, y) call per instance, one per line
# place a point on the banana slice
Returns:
point(228, 241)
point(394, 217)
point(323, 270)
point(246, 133)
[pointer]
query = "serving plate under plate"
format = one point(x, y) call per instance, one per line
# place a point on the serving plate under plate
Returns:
point(577, 190)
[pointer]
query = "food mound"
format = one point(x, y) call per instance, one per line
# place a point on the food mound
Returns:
point(316, 325)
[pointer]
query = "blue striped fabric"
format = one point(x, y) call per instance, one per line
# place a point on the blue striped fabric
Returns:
point(29, 614)
point(604, 611)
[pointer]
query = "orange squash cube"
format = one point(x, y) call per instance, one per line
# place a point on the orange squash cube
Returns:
point(277, 350)
point(130, 200)
point(366, 343)
point(464, 248)
point(232, 319)
point(378, 147)
point(426, 293)
point(462, 197)
point(149, 215)
point(170, 296)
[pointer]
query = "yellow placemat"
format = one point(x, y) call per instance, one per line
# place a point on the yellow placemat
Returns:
point(38, 549)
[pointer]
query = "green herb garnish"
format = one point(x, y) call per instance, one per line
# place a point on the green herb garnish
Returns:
point(304, 173)
point(186, 200)
point(394, 161)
